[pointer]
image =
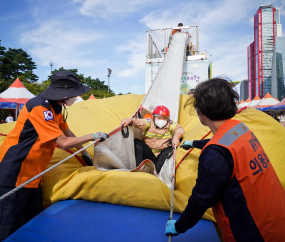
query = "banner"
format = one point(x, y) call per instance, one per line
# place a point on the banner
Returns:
point(194, 72)
point(21, 107)
point(4, 105)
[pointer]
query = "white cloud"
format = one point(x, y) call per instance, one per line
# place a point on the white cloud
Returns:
point(220, 30)
point(282, 7)
point(61, 43)
point(231, 59)
point(137, 87)
point(136, 59)
point(204, 14)
point(109, 9)
point(251, 22)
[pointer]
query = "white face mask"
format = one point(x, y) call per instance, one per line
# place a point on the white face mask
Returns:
point(70, 101)
point(160, 123)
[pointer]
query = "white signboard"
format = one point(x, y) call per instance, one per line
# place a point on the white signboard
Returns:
point(194, 73)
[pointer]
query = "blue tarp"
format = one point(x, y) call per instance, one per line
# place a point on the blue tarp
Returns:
point(264, 109)
point(21, 107)
point(273, 108)
point(4, 105)
point(279, 107)
point(79, 220)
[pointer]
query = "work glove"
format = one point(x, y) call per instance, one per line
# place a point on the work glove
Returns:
point(100, 135)
point(87, 159)
point(187, 145)
point(170, 228)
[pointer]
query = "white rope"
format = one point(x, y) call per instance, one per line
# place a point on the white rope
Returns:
point(172, 192)
point(44, 172)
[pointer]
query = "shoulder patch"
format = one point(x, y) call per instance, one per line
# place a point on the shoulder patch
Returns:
point(48, 115)
point(46, 103)
point(170, 121)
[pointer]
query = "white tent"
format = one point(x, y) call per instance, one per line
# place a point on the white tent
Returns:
point(254, 102)
point(17, 93)
point(241, 104)
point(78, 99)
point(247, 102)
point(266, 101)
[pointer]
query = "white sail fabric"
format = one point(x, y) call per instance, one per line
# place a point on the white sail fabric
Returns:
point(118, 152)
point(165, 89)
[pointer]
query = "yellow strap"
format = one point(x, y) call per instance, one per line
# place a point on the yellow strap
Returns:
point(158, 136)
point(147, 125)
point(156, 151)
point(172, 127)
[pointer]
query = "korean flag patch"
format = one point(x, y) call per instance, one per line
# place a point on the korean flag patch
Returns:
point(48, 115)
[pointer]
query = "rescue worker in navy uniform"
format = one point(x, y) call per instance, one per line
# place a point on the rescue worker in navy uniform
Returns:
point(160, 136)
point(235, 176)
point(29, 147)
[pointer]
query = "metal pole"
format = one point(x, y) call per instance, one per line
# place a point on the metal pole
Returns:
point(147, 44)
point(109, 74)
point(172, 192)
point(164, 30)
point(108, 82)
point(197, 39)
point(51, 64)
point(16, 113)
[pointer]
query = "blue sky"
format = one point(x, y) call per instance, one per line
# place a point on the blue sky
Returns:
point(94, 35)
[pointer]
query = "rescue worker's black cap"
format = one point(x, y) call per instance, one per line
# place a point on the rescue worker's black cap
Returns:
point(63, 85)
point(191, 91)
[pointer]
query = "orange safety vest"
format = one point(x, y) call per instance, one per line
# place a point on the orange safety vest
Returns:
point(252, 207)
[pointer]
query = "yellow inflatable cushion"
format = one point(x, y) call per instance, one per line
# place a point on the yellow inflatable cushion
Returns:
point(71, 180)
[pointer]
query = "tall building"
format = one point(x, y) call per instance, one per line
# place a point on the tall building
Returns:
point(266, 27)
point(250, 71)
point(278, 69)
point(265, 30)
point(243, 90)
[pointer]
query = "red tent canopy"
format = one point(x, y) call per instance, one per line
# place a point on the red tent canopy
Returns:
point(91, 97)
point(2, 100)
point(17, 93)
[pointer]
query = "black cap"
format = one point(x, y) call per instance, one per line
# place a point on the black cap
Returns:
point(191, 92)
point(180, 24)
point(64, 84)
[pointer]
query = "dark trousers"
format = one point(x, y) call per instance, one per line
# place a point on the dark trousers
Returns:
point(142, 152)
point(18, 208)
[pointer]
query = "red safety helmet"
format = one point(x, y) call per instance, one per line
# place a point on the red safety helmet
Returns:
point(161, 110)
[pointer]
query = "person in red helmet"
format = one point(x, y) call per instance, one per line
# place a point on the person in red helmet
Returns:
point(160, 135)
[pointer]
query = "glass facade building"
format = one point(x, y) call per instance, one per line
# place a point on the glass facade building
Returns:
point(278, 69)
point(243, 90)
point(265, 31)
point(250, 71)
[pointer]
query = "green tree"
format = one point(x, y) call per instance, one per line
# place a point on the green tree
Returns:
point(35, 88)
point(98, 88)
point(15, 63)
point(3, 85)
point(18, 63)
